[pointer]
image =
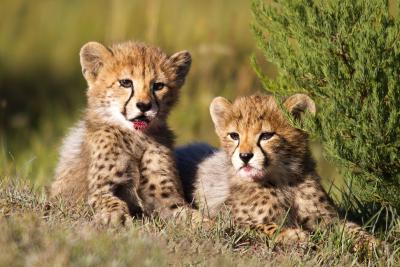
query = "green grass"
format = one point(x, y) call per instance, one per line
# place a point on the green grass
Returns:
point(38, 232)
point(42, 93)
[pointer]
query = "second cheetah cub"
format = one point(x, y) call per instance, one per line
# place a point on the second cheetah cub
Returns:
point(264, 174)
point(118, 158)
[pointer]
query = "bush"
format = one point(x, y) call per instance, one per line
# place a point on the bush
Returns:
point(345, 54)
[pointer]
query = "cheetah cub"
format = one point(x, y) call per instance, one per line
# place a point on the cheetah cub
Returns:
point(264, 175)
point(118, 157)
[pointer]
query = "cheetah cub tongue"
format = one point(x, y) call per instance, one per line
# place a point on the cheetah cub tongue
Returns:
point(140, 125)
point(251, 173)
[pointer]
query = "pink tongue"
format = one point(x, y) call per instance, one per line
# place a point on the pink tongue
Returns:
point(140, 125)
point(247, 168)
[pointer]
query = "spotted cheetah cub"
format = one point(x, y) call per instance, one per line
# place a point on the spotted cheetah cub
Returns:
point(264, 174)
point(118, 157)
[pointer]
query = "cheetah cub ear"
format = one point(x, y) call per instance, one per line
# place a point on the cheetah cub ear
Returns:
point(93, 55)
point(220, 110)
point(298, 104)
point(180, 63)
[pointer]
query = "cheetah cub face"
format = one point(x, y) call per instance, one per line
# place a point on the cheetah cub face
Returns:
point(258, 138)
point(130, 84)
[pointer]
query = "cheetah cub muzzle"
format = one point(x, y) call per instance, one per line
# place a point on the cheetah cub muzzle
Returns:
point(118, 157)
point(264, 175)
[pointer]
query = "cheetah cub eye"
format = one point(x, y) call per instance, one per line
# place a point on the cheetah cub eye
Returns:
point(234, 136)
point(265, 136)
point(126, 83)
point(157, 86)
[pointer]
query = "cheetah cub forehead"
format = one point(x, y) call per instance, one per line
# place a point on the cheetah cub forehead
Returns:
point(257, 137)
point(132, 85)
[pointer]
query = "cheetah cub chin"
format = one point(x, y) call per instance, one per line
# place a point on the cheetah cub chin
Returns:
point(118, 157)
point(264, 175)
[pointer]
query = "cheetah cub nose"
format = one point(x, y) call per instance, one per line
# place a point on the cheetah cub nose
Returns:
point(246, 157)
point(143, 107)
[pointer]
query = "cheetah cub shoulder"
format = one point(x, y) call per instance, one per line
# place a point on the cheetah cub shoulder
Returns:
point(263, 175)
point(118, 157)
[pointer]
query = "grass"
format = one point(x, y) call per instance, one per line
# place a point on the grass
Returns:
point(38, 232)
point(42, 94)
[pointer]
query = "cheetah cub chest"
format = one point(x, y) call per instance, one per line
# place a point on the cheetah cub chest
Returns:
point(118, 157)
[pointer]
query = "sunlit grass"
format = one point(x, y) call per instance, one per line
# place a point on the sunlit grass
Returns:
point(38, 232)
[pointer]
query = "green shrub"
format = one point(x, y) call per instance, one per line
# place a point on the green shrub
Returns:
point(345, 54)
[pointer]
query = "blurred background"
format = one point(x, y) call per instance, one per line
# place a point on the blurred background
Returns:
point(42, 91)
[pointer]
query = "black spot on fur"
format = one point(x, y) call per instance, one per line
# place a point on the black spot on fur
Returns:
point(126, 141)
point(270, 227)
point(173, 206)
point(305, 220)
point(114, 205)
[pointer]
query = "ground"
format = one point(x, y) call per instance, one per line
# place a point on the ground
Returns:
point(35, 232)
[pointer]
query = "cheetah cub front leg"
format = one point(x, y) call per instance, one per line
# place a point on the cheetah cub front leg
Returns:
point(159, 185)
point(316, 209)
point(282, 235)
point(113, 179)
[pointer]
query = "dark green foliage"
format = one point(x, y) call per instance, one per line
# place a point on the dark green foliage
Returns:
point(345, 54)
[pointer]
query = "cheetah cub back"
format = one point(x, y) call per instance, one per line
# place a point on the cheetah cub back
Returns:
point(118, 157)
point(263, 174)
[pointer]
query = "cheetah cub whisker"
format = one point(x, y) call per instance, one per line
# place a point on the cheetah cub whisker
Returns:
point(119, 157)
point(264, 173)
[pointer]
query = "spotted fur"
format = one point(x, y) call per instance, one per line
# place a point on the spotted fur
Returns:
point(264, 175)
point(119, 158)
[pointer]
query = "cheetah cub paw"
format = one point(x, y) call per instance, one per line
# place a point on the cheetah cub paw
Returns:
point(116, 217)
